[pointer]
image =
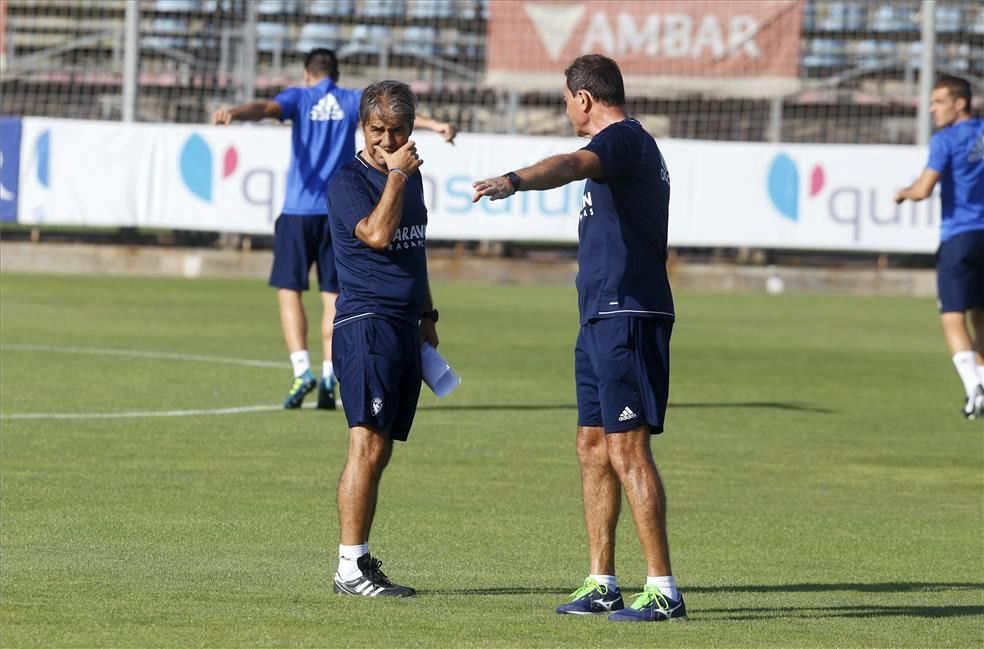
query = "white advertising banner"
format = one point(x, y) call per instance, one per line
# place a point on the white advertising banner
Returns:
point(155, 176)
point(825, 197)
point(834, 197)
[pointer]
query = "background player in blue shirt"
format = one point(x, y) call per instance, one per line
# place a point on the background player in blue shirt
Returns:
point(324, 118)
point(621, 360)
point(379, 230)
point(956, 161)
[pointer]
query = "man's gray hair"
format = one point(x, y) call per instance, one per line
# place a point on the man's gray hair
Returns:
point(390, 98)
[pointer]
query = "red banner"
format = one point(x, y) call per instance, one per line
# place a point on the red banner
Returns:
point(672, 38)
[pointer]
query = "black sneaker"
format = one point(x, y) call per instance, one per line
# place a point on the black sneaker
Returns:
point(326, 395)
point(974, 409)
point(372, 582)
point(299, 389)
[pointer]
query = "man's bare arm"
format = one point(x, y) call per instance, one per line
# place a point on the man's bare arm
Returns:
point(548, 173)
point(254, 111)
point(444, 129)
point(378, 228)
point(921, 189)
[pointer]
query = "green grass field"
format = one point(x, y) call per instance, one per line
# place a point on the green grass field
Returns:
point(823, 489)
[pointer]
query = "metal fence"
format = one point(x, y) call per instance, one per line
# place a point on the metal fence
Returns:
point(858, 66)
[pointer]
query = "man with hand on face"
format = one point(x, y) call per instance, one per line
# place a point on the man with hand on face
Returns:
point(323, 124)
point(384, 313)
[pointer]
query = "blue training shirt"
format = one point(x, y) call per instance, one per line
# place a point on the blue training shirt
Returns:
point(622, 230)
point(391, 283)
point(957, 153)
point(323, 119)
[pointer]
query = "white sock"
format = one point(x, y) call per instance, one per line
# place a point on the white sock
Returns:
point(348, 557)
point(328, 372)
point(608, 581)
point(666, 585)
point(301, 362)
point(966, 364)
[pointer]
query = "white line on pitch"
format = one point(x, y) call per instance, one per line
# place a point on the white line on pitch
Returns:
point(132, 353)
point(150, 413)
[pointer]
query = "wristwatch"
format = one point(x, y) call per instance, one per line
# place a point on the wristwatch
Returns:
point(431, 315)
point(514, 180)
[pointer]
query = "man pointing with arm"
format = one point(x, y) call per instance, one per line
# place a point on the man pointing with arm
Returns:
point(621, 359)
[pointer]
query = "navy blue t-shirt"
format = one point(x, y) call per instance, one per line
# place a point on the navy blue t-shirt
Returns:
point(324, 119)
point(622, 232)
point(391, 283)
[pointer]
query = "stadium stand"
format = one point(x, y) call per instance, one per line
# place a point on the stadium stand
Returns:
point(857, 67)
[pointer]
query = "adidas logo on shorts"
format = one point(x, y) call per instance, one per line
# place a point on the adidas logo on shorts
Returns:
point(627, 414)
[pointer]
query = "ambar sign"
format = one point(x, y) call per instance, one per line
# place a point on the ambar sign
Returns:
point(711, 39)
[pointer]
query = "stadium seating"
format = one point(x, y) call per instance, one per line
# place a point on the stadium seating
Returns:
point(271, 37)
point(191, 56)
point(948, 19)
point(170, 33)
point(366, 39)
point(871, 53)
point(843, 16)
point(432, 9)
point(418, 41)
point(383, 8)
point(329, 7)
point(275, 7)
point(314, 35)
point(826, 53)
point(892, 18)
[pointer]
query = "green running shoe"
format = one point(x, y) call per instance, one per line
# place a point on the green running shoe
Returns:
point(651, 606)
point(302, 385)
point(592, 598)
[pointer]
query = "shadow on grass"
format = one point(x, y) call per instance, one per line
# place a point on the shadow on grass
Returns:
point(859, 611)
point(745, 613)
point(886, 587)
point(766, 405)
point(505, 590)
point(839, 611)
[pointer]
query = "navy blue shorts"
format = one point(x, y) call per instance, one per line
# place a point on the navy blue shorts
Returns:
point(960, 272)
point(377, 362)
point(622, 370)
point(299, 242)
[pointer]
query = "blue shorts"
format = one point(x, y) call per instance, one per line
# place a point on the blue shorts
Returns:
point(299, 242)
point(377, 362)
point(960, 272)
point(622, 370)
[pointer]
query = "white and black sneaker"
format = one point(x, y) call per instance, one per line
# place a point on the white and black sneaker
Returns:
point(372, 582)
point(974, 408)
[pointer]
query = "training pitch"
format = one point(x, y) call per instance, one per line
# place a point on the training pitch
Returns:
point(824, 490)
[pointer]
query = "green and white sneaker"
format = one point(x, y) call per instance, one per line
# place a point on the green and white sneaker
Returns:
point(592, 598)
point(652, 606)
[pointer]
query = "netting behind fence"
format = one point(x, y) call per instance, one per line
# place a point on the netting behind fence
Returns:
point(792, 71)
